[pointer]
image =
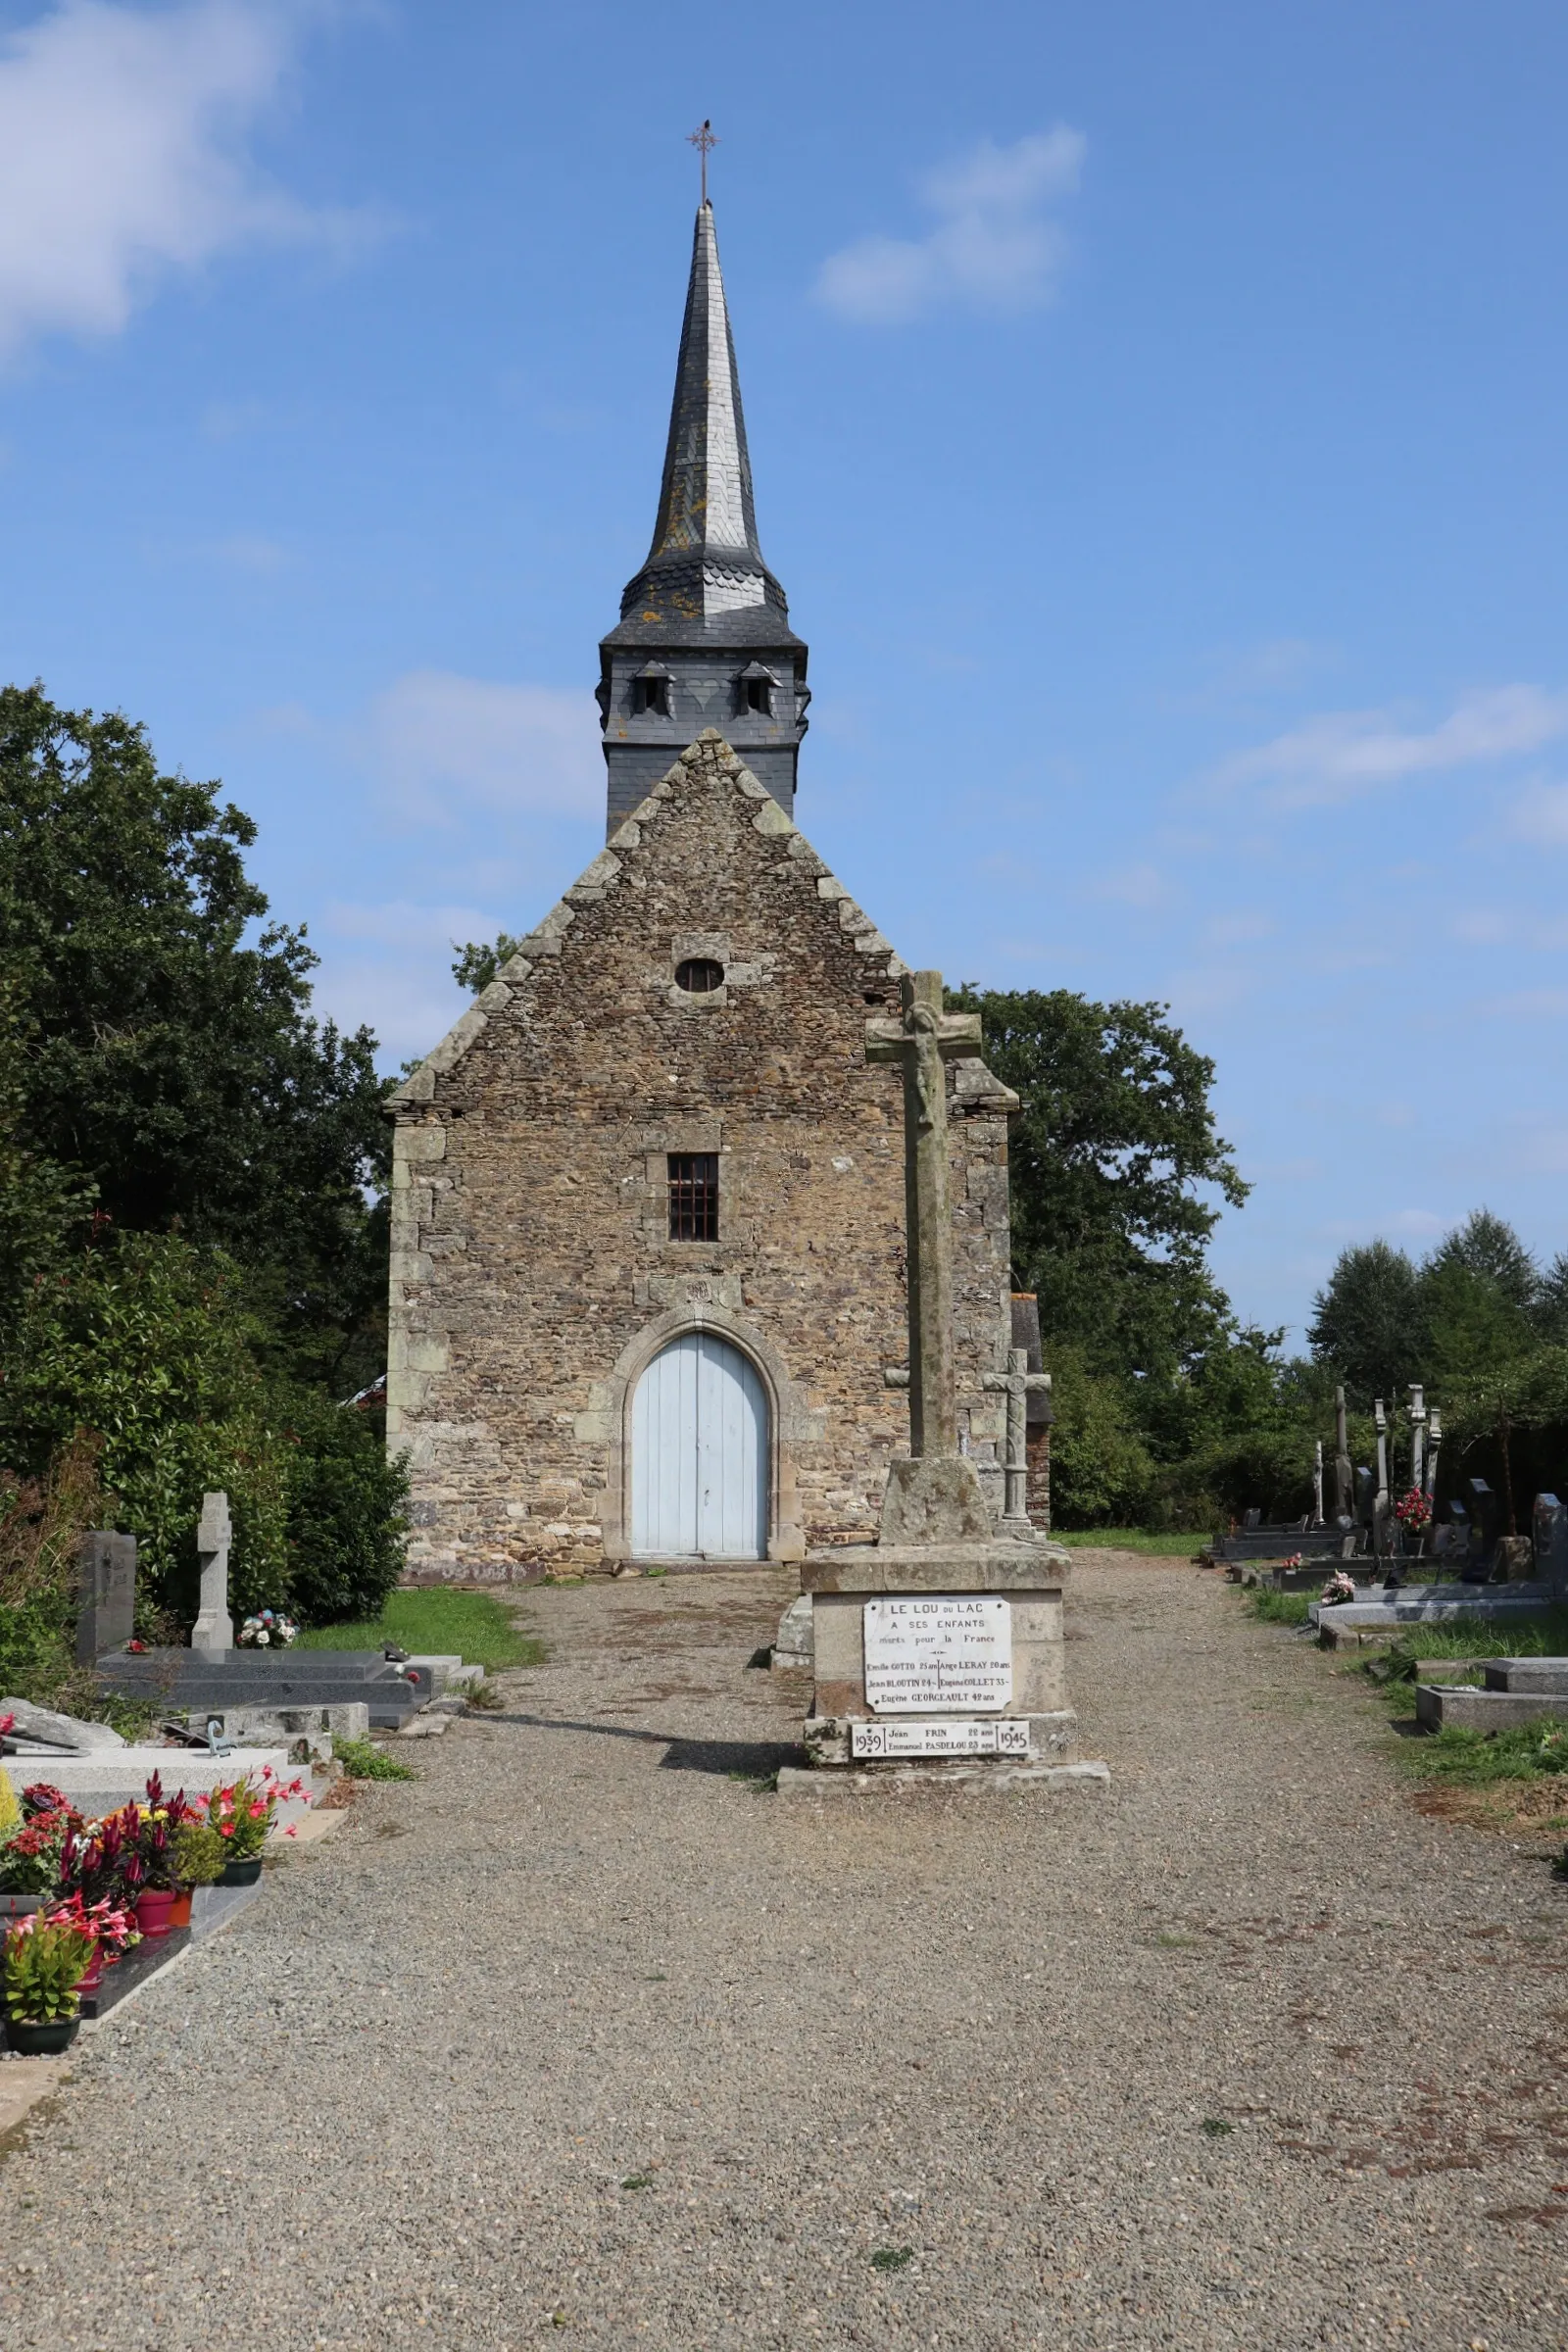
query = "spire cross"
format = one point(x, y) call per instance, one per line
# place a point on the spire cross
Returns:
point(704, 141)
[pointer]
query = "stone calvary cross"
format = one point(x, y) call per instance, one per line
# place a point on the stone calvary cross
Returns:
point(212, 1634)
point(1017, 1384)
point(921, 1040)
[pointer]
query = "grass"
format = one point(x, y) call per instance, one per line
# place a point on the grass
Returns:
point(1477, 1759)
point(1157, 1543)
point(363, 1760)
point(473, 1625)
point(1279, 1608)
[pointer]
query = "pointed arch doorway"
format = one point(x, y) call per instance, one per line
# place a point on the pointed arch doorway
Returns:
point(700, 1453)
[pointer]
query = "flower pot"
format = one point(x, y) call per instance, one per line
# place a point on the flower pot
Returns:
point(30, 2040)
point(241, 1874)
point(179, 1917)
point(153, 1907)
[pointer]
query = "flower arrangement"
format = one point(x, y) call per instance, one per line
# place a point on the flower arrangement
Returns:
point(31, 1857)
point(268, 1629)
point(110, 1926)
point(243, 1813)
point(42, 1796)
point(1413, 1511)
point(45, 1960)
point(1339, 1586)
point(1294, 1561)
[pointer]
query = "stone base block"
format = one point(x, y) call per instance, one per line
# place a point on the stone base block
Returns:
point(1051, 1741)
point(1461, 1706)
point(1539, 1676)
point(977, 1776)
point(308, 1733)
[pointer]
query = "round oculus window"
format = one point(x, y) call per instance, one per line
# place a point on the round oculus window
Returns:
point(698, 975)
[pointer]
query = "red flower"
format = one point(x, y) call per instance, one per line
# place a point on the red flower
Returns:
point(225, 1829)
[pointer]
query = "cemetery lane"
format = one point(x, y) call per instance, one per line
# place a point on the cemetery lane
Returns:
point(588, 2036)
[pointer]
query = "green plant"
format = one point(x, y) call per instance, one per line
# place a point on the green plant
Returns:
point(892, 2258)
point(1214, 2127)
point(242, 1814)
point(363, 1760)
point(1476, 1759)
point(45, 1960)
point(199, 1856)
point(1279, 1608)
point(484, 1697)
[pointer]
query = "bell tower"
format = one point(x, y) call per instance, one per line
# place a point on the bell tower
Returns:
point(704, 638)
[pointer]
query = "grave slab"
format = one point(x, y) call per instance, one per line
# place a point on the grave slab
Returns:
point(1449, 1706)
point(966, 1778)
point(1547, 1676)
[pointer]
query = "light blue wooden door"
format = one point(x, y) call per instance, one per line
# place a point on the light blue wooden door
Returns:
point(700, 1454)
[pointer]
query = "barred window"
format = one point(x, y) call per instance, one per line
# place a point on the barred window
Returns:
point(694, 1195)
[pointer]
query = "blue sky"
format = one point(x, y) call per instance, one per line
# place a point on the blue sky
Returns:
point(1156, 413)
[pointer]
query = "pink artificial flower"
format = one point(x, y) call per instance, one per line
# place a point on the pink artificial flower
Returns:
point(256, 1811)
point(225, 1829)
point(293, 1829)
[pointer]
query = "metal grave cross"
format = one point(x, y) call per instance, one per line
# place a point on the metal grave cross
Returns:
point(1016, 1383)
point(920, 1042)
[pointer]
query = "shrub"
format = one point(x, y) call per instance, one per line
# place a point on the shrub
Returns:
point(346, 1514)
point(41, 1524)
point(363, 1760)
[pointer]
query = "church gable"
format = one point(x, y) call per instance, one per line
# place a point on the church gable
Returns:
point(708, 832)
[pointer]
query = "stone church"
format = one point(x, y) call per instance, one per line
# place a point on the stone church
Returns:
point(647, 1280)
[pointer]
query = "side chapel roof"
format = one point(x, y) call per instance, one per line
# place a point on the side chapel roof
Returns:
point(975, 1088)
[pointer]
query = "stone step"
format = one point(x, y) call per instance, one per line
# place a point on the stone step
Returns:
point(1460, 1706)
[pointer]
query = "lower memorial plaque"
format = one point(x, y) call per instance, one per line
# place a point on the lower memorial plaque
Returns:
point(925, 1650)
point(940, 1739)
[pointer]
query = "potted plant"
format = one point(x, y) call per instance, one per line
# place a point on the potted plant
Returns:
point(200, 1857)
point(111, 1930)
point(45, 1961)
point(32, 1857)
point(242, 1814)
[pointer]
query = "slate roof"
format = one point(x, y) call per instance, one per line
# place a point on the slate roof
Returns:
point(705, 580)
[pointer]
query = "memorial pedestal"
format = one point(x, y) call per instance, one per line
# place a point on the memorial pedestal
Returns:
point(940, 1663)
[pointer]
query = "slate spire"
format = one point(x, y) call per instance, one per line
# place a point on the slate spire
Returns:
point(705, 558)
point(704, 638)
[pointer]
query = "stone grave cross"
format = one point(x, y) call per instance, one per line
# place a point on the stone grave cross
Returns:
point(1016, 1383)
point(921, 1040)
point(1418, 1437)
point(212, 1634)
point(1341, 1461)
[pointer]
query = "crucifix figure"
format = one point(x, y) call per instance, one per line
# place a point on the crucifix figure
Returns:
point(920, 1042)
point(1418, 1437)
point(1016, 1383)
point(704, 141)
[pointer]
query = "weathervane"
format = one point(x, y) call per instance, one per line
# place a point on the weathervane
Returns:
point(704, 141)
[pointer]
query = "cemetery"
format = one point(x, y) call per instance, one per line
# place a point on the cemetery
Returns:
point(693, 1665)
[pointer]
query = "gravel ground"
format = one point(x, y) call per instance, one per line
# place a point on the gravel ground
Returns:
point(588, 2036)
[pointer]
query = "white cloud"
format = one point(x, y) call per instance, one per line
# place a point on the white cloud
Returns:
point(122, 155)
point(433, 737)
point(1344, 754)
point(993, 247)
point(1541, 813)
point(1132, 885)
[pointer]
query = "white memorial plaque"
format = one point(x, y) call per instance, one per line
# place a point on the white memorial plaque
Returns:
point(956, 1738)
point(929, 1650)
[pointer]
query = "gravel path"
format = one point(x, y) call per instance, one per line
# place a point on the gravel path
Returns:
point(587, 2037)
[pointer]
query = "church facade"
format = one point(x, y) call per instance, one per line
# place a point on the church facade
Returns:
point(647, 1282)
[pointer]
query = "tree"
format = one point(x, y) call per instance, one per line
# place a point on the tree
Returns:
point(1369, 1323)
point(1113, 1151)
point(168, 1055)
point(479, 962)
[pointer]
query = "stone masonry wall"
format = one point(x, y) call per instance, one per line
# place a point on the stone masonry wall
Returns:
point(532, 1270)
